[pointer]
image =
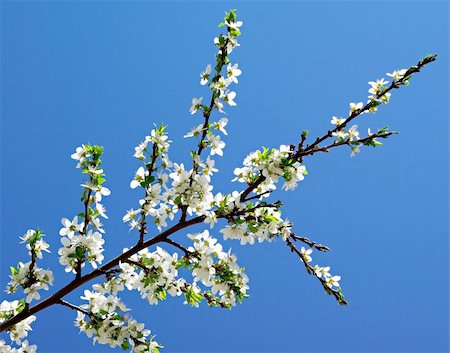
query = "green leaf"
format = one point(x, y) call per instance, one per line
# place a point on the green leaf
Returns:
point(125, 345)
point(21, 305)
point(238, 221)
point(161, 294)
point(235, 32)
point(252, 228)
point(383, 129)
point(152, 179)
point(79, 251)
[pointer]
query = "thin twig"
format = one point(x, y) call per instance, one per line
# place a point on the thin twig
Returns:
point(311, 244)
point(338, 296)
point(179, 246)
point(74, 307)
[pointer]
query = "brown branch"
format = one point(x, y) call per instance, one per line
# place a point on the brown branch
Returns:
point(306, 151)
point(87, 219)
point(74, 307)
point(138, 264)
point(258, 196)
point(179, 246)
point(311, 244)
point(143, 223)
point(56, 298)
point(77, 282)
point(31, 279)
point(348, 142)
point(251, 187)
point(370, 104)
point(205, 129)
point(336, 294)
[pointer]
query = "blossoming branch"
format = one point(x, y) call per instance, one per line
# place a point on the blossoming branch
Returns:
point(175, 197)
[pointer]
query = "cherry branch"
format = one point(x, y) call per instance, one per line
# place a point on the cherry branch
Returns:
point(73, 307)
point(109, 266)
point(206, 115)
point(372, 103)
point(312, 148)
point(311, 244)
point(336, 293)
point(143, 223)
point(179, 246)
point(348, 142)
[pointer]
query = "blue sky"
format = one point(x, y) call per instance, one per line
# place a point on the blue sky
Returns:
point(104, 72)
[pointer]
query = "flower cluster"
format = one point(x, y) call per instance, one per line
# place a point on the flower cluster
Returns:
point(103, 319)
point(174, 187)
point(78, 249)
point(159, 141)
point(260, 221)
point(272, 164)
point(321, 272)
point(220, 84)
point(19, 331)
point(24, 348)
point(155, 186)
point(35, 243)
point(31, 278)
point(82, 236)
point(28, 276)
point(171, 187)
point(351, 135)
point(379, 94)
point(216, 269)
point(153, 274)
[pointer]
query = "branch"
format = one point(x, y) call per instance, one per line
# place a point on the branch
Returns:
point(179, 246)
point(336, 293)
point(80, 280)
point(348, 142)
point(74, 307)
point(310, 149)
point(311, 244)
point(206, 115)
point(143, 223)
point(77, 282)
point(138, 264)
point(370, 104)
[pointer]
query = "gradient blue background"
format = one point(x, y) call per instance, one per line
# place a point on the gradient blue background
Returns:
point(103, 72)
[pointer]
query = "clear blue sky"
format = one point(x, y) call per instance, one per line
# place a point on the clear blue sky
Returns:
point(104, 72)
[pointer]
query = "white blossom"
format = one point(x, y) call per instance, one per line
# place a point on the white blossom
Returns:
point(337, 121)
point(196, 103)
point(397, 74)
point(220, 125)
point(205, 75)
point(354, 107)
point(233, 72)
point(333, 281)
point(217, 145)
point(20, 278)
point(70, 227)
point(306, 253)
point(196, 131)
point(229, 98)
point(139, 177)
